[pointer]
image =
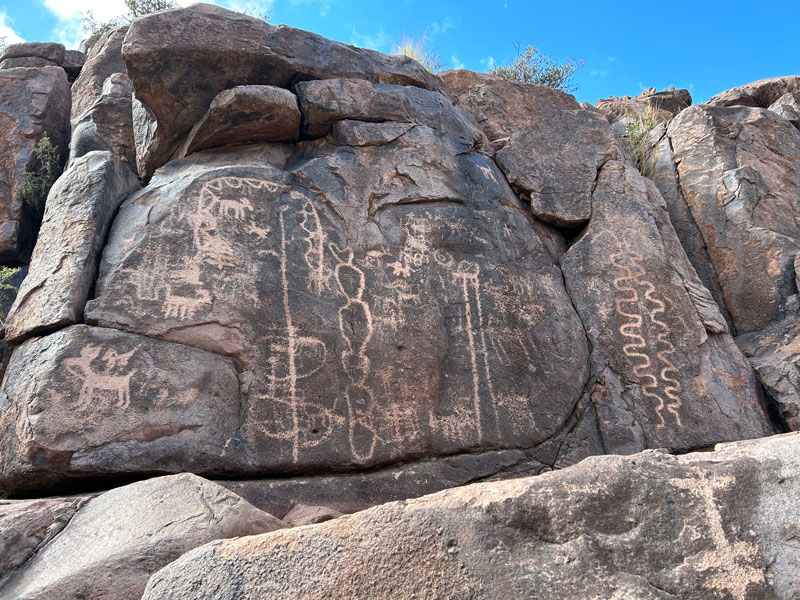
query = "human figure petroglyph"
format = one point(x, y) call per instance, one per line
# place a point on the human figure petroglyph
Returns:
point(355, 325)
point(636, 347)
point(94, 381)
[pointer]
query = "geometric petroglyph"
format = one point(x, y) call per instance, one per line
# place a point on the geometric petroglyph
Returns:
point(355, 326)
point(468, 275)
point(658, 384)
point(107, 381)
point(293, 357)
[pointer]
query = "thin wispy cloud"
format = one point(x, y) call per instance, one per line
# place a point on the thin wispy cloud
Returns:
point(7, 33)
point(456, 63)
point(488, 63)
point(446, 24)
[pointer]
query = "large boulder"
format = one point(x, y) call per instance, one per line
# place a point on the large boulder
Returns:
point(651, 526)
point(88, 401)
point(554, 163)
point(74, 228)
point(114, 542)
point(372, 321)
point(179, 60)
point(33, 103)
point(759, 94)
point(501, 107)
point(738, 170)
point(246, 113)
point(32, 54)
point(650, 104)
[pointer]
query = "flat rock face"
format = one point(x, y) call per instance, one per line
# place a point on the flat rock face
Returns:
point(102, 61)
point(775, 354)
point(555, 162)
point(179, 60)
point(114, 542)
point(501, 107)
point(28, 525)
point(739, 173)
point(64, 264)
point(788, 107)
point(411, 311)
point(107, 125)
point(706, 525)
point(32, 102)
point(247, 113)
point(324, 102)
point(91, 401)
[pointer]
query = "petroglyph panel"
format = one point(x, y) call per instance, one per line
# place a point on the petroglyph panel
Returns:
point(99, 400)
point(370, 319)
point(645, 311)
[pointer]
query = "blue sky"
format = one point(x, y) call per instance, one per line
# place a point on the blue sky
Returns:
point(626, 46)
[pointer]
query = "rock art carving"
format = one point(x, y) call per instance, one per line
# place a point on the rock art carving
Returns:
point(468, 275)
point(98, 381)
point(355, 325)
point(731, 565)
point(658, 385)
point(294, 357)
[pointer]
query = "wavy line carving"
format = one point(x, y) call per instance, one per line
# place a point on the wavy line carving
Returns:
point(666, 398)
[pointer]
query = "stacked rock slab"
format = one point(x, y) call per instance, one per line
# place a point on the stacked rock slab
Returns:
point(730, 170)
point(108, 546)
point(650, 526)
point(374, 296)
point(179, 64)
point(33, 102)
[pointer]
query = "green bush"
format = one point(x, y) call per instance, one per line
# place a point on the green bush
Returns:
point(531, 66)
point(418, 50)
point(7, 291)
point(47, 168)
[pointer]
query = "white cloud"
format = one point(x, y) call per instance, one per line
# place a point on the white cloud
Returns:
point(376, 41)
point(457, 64)
point(436, 28)
point(69, 14)
point(7, 32)
point(488, 62)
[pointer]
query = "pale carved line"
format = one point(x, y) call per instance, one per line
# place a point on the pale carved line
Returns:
point(291, 336)
point(315, 253)
point(81, 366)
point(355, 361)
point(469, 275)
point(631, 330)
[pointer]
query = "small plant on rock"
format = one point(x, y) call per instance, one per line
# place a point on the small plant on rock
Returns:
point(635, 138)
point(37, 183)
point(7, 290)
point(418, 50)
point(531, 66)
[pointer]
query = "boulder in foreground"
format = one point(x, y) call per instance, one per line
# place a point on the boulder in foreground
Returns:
point(719, 525)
